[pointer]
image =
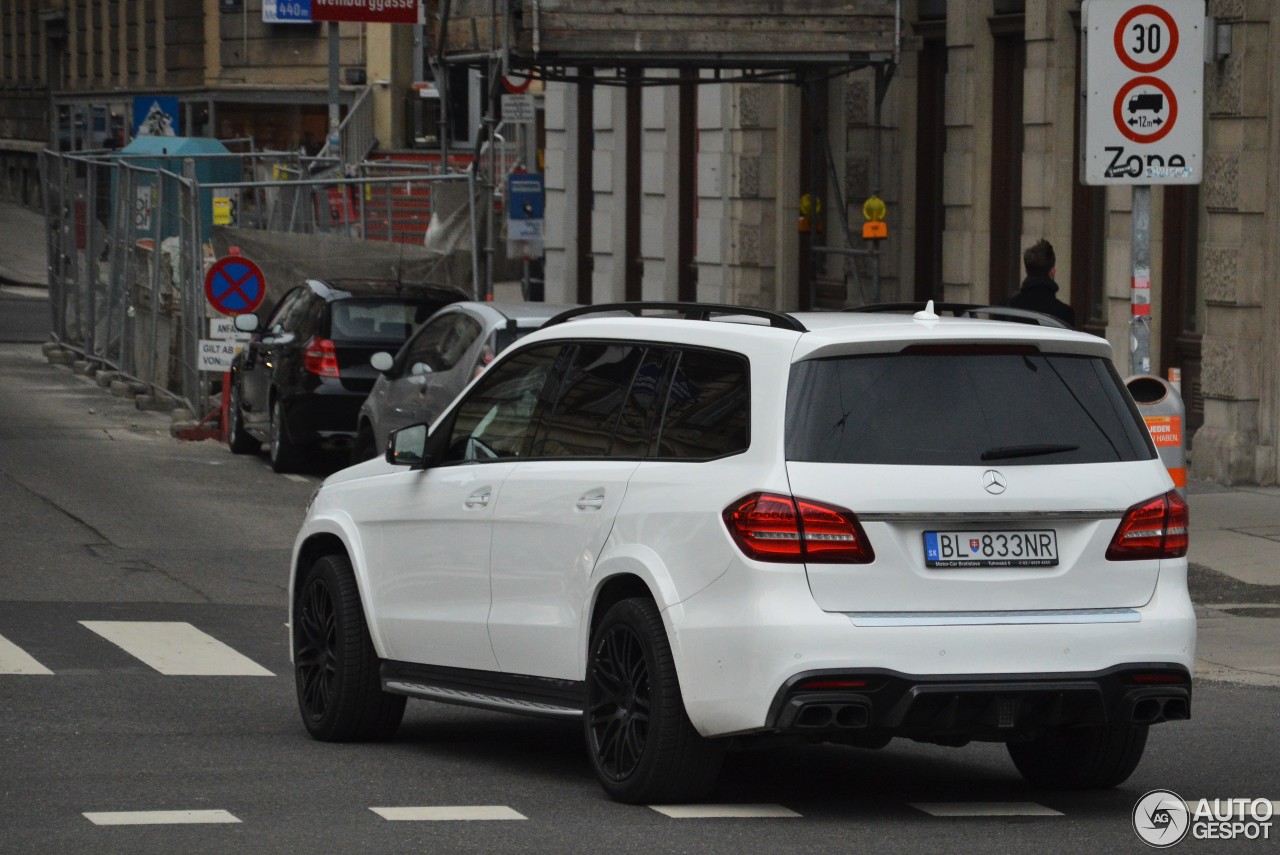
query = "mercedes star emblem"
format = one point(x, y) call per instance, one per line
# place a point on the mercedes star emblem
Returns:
point(993, 482)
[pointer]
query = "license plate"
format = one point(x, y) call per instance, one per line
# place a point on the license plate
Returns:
point(991, 548)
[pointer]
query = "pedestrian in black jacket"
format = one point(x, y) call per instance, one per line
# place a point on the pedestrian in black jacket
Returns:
point(1038, 289)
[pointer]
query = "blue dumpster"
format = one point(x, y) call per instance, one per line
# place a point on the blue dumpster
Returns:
point(214, 164)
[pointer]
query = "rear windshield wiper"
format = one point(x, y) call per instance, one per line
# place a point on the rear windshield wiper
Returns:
point(1006, 451)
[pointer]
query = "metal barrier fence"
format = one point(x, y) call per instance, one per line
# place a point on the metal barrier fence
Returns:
point(129, 243)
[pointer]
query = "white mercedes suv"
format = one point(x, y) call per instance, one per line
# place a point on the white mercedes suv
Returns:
point(717, 525)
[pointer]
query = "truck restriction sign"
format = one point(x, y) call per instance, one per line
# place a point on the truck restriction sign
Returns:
point(1144, 82)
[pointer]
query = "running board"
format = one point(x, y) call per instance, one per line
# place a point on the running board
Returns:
point(515, 693)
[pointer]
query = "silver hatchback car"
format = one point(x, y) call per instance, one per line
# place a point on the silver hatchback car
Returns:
point(448, 351)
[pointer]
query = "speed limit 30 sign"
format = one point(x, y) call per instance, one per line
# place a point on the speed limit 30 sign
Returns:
point(1144, 91)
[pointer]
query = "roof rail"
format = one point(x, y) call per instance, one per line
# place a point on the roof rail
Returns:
point(690, 312)
point(969, 310)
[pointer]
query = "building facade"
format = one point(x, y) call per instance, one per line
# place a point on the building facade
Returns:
point(685, 183)
point(975, 148)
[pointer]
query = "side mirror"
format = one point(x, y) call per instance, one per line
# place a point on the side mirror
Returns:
point(408, 447)
point(246, 322)
point(382, 361)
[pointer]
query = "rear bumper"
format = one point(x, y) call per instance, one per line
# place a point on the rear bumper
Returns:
point(744, 644)
point(989, 707)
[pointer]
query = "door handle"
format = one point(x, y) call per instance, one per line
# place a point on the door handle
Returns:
point(478, 499)
point(590, 502)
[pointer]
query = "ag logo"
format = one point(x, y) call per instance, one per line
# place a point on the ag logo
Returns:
point(1161, 818)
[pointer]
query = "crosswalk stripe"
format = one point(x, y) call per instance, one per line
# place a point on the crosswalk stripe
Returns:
point(160, 817)
point(961, 809)
point(441, 813)
point(15, 660)
point(176, 648)
point(725, 811)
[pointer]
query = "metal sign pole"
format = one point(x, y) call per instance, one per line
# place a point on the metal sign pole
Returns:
point(335, 141)
point(1140, 284)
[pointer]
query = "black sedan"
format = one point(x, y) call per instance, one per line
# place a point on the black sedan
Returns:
point(298, 384)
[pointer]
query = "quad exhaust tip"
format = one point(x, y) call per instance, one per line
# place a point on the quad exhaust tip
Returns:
point(828, 716)
point(1154, 710)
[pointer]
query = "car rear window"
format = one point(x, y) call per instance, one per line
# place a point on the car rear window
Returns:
point(964, 407)
point(377, 322)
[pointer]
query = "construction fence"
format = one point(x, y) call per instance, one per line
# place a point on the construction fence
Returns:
point(130, 240)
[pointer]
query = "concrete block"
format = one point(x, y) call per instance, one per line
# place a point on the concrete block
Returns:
point(127, 388)
point(59, 356)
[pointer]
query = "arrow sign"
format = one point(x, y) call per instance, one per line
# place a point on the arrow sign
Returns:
point(235, 285)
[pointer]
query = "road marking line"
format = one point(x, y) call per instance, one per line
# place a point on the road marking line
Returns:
point(447, 812)
point(15, 660)
point(958, 809)
point(175, 648)
point(725, 811)
point(301, 479)
point(160, 817)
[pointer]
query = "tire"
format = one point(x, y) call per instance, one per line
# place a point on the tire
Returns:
point(1081, 758)
point(336, 669)
point(237, 437)
point(641, 743)
point(285, 455)
point(364, 448)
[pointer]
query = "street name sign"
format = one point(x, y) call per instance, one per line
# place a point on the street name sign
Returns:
point(368, 11)
point(1143, 92)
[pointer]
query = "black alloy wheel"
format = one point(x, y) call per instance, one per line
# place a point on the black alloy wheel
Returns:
point(619, 713)
point(336, 669)
point(237, 437)
point(641, 743)
point(315, 656)
point(285, 456)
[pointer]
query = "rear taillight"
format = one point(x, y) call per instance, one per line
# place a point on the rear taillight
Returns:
point(1156, 528)
point(772, 527)
point(321, 357)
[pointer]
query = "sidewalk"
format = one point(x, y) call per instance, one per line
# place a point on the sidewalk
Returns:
point(22, 254)
point(1235, 582)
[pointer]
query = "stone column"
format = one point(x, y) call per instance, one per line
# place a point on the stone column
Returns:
point(1239, 261)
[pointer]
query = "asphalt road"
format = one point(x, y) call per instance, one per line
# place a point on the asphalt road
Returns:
point(111, 527)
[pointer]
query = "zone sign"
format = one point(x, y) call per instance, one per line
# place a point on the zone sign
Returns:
point(1144, 91)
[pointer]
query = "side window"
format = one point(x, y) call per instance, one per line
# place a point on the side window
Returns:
point(643, 405)
point(589, 396)
point(282, 309)
point(300, 306)
point(442, 342)
point(495, 420)
point(708, 409)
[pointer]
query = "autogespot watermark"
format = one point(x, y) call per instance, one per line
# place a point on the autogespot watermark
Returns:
point(1162, 819)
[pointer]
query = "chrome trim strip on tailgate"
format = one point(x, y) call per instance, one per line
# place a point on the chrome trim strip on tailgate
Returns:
point(998, 517)
point(1019, 618)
